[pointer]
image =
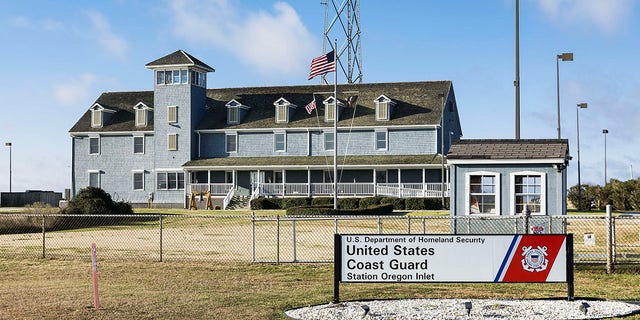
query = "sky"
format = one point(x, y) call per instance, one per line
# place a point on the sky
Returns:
point(59, 56)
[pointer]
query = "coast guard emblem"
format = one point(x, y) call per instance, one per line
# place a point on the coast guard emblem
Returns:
point(534, 258)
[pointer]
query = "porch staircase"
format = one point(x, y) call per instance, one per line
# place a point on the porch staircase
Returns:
point(239, 202)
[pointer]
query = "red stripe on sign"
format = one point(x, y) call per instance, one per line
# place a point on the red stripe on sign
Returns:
point(534, 257)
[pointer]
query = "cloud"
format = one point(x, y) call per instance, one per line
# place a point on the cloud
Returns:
point(22, 22)
point(74, 91)
point(605, 14)
point(272, 42)
point(108, 40)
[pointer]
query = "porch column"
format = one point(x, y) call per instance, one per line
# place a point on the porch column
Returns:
point(424, 180)
point(375, 182)
point(209, 180)
point(308, 183)
point(399, 183)
point(284, 180)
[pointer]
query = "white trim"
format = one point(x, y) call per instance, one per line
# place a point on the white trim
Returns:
point(275, 133)
point(324, 140)
point(321, 166)
point(543, 190)
point(386, 139)
point(467, 192)
point(133, 179)
point(506, 161)
point(320, 129)
point(99, 144)
point(109, 133)
point(226, 144)
point(143, 144)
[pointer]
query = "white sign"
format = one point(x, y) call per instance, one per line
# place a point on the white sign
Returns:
point(452, 258)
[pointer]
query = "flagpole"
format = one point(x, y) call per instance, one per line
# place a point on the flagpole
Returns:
point(335, 127)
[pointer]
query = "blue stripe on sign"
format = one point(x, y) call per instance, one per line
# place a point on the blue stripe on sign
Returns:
point(506, 258)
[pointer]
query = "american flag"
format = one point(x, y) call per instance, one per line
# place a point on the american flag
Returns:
point(322, 65)
point(311, 106)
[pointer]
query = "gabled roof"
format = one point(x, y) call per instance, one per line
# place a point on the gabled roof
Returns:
point(509, 149)
point(123, 118)
point(179, 59)
point(417, 103)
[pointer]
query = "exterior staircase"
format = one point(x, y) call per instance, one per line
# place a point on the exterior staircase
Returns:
point(239, 202)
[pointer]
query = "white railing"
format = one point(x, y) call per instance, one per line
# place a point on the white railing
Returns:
point(255, 193)
point(227, 199)
point(216, 189)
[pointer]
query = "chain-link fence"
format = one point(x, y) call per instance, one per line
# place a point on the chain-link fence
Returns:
point(284, 239)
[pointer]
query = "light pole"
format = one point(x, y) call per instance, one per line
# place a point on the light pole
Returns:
point(567, 56)
point(442, 148)
point(580, 106)
point(8, 144)
point(605, 131)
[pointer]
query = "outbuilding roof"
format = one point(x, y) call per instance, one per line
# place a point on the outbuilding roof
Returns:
point(509, 149)
point(179, 58)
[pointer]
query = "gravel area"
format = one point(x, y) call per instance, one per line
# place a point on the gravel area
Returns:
point(455, 309)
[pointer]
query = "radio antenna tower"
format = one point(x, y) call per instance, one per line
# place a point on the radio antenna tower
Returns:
point(345, 27)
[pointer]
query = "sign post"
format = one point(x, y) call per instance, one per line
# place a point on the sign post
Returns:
point(525, 258)
point(94, 270)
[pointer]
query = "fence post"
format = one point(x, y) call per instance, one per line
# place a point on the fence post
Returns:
point(610, 253)
point(379, 225)
point(43, 236)
point(160, 237)
point(335, 226)
point(253, 236)
point(409, 225)
point(293, 227)
point(278, 239)
point(424, 226)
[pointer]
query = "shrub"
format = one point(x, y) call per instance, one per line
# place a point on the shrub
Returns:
point(92, 200)
point(398, 203)
point(369, 201)
point(415, 204)
point(348, 203)
point(295, 202)
point(377, 210)
point(265, 204)
point(322, 201)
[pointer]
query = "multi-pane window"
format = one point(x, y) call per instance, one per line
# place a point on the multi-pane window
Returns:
point(382, 111)
point(482, 194)
point(172, 76)
point(172, 114)
point(198, 78)
point(96, 118)
point(94, 145)
point(279, 142)
point(381, 140)
point(141, 117)
point(233, 115)
point(138, 144)
point(281, 113)
point(172, 141)
point(94, 179)
point(138, 180)
point(170, 180)
point(330, 113)
point(527, 193)
point(231, 142)
point(329, 141)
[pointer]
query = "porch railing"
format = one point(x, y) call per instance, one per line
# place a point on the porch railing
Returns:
point(404, 190)
point(216, 189)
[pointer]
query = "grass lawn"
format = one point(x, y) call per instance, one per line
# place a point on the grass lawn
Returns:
point(54, 289)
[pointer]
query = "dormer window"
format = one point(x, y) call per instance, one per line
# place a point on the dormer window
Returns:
point(284, 110)
point(384, 108)
point(236, 111)
point(142, 114)
point(98, 117)
point(329, 109)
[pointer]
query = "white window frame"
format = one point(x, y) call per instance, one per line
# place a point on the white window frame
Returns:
point(283, 134)
point(233, 115)
point(325, 140)
point(227, 135)
point(94, 172)
point(96, 118)
point(172, 142)
point(94, 138)
point(133, 179)
point(172, 114)
point(329, 109)
point(543, 191)
point(467, 195)
point(382, 111)
point(134, 144)
point(282, 111)
point(376, 140)
point(168, 175)
point(141, 117)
